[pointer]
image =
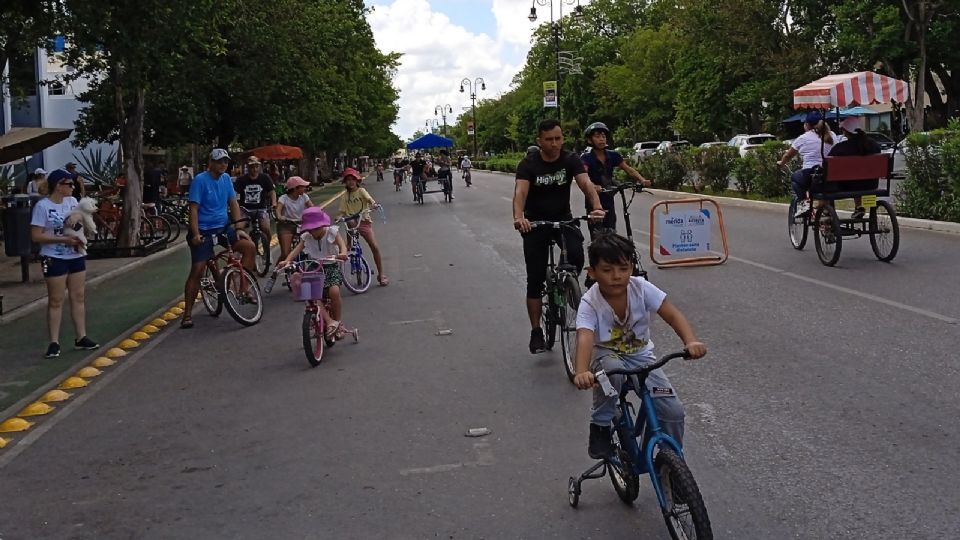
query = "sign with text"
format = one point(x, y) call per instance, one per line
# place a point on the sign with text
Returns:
point(685, 232)
point(550, 94)
point(470, 129)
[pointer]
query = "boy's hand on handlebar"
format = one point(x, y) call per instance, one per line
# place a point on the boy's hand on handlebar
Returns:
point(597, 215)
point(585, 380)
point(696, 349)
point(523, 225)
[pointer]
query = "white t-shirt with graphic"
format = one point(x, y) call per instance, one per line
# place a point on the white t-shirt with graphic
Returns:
point(630, 337)
point(293, 208)
point(322, 248)
point(50, 216)
point(808, 146)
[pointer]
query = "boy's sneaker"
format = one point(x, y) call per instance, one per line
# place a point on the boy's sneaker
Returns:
point(85, 344)
point(599, 446)
point(53, 350)
point(802, 208)
point(537, 343)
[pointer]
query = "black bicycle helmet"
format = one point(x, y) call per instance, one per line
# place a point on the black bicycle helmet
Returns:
point(597, 126)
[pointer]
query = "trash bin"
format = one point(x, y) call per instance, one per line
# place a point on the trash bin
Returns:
point(16, 226)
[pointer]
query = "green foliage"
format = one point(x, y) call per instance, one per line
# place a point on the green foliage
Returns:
point(769, 179)
point(10, 176)
point(932, 187)
point(745, 169)
point(714, 165)
point(101, 169)
point(666, 171)
point(504, 162)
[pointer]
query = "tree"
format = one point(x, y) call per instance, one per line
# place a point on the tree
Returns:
point(25, 25)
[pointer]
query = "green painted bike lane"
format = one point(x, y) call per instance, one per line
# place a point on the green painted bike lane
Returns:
point(113, 308)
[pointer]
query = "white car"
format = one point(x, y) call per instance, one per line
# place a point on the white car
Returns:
point(644, 149)
point(714, 143)
point(745, 143)
point(672, 146)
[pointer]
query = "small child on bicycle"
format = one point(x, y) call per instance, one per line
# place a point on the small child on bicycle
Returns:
point(613, 332)
point(356, 200)
point(318, 240)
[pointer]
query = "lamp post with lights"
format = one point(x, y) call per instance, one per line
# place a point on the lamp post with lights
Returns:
point(442, 110)
point(556, 27)
point(472, 85)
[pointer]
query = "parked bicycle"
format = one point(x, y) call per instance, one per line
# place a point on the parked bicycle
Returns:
point(561, 297)
point(226, 282)
point(641, 447)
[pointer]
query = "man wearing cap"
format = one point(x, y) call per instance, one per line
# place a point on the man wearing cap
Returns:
point(256, 193)
point(211, 196)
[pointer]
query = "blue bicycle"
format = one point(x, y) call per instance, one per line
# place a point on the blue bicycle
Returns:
point(662, 458)
point(359, 276)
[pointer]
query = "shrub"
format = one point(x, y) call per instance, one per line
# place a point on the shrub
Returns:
point(932, 187)
point(769, 179)
point(714, 165)
point(745, 169)
point(666, 170)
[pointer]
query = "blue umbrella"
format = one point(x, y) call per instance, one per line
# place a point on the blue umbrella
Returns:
point(430, 140)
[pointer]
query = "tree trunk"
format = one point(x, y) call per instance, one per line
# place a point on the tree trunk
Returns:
point(325, 172)
point(922, 20)
point(937, 115)
point(131, 140)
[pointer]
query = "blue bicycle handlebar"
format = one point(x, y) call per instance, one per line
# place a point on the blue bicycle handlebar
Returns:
point(647, 369)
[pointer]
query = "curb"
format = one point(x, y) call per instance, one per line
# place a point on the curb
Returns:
point(946, 227)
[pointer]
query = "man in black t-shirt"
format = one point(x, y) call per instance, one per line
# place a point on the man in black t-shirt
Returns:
point(256, 195)
point(542, 193)
point(416, 172)
point(152, 181)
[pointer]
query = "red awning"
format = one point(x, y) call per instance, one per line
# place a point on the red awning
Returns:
point(849, 89)
point(277, 152)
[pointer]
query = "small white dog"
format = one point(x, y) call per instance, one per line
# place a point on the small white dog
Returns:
point(80, 223)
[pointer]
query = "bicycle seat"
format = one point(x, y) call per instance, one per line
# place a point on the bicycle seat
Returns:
point(567, 268)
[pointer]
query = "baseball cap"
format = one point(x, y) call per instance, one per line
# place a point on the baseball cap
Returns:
point(219, 153)
point(39, 171)
point(813, 117)
point(69, 164)
point(253, 160)
point(296, 181)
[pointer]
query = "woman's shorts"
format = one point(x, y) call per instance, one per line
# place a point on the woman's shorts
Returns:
point(289, 227)
point(53, 267)
point(332, 275)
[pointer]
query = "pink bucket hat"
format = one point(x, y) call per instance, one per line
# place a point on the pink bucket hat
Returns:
point(350, 171)
point(296, 181)
point(313, 218)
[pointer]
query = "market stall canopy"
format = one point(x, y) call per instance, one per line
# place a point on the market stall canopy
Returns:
point(842, 113)
point(430, 140)
point(848, 89)
point(19, 143)
point(277, 152)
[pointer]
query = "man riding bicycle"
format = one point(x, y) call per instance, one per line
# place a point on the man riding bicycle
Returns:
point(417, 167)
point(542, 192)
point(256, 193)
point(465, 166)
point(442, 165)
point(211, 195)
point(600, 163)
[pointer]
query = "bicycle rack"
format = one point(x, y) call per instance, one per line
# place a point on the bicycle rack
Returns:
point(689, 232)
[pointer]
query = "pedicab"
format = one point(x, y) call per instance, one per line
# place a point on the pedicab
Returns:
point(427, 142)
point(848, 177)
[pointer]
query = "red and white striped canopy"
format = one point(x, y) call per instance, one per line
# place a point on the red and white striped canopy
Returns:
point(849, 89)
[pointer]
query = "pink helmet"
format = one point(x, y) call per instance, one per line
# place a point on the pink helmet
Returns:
point(313, 218)
point(296, 181)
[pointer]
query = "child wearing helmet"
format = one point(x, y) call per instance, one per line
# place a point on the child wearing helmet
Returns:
point(600, 163)
point(319, 239)
point(290, 207)
point(356, 200)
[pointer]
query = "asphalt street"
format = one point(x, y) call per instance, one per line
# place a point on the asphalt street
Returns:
point(826, 407)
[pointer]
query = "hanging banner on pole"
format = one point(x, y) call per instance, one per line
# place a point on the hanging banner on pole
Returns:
point(550, 94)
point(470, 128)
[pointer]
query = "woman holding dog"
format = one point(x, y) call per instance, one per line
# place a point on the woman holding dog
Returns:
point(64, 267)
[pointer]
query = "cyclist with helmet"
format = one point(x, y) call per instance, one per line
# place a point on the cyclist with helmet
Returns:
point(600, 163)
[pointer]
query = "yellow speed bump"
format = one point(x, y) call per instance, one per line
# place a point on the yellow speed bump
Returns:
point(54, 395)
point(72, 382)
point(169, 316)
point(181, 305)
point(159, 323)
point(4, 442)
point(102, 362)
point(129, 344)
point(149, 329)
point(14, 424)
point(140, 336)
point(115, 353)
point(88, 372)
point(35, 409)
point(176, 310)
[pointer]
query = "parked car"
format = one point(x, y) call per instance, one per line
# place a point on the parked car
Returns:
point(671, 146)
point(885, 142)
point(714, 143)
point(745, 143)
point(644, 149)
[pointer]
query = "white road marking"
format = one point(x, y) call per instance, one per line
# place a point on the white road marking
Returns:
point(508, 199)
point(484, 459)
point(838, 288)
point(411, 321)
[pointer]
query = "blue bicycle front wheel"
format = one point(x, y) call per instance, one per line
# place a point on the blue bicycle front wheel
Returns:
point(356, 274)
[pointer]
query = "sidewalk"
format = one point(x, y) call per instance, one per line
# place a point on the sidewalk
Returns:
point(121, 293)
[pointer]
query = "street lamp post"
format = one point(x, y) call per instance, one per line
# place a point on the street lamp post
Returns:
point(556, 27)
point(431, 124)
point(443, 110)
point(473, 104)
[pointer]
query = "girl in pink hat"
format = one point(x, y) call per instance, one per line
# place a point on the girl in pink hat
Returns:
point(319, 240)
point(290, 209)
point(356, 200)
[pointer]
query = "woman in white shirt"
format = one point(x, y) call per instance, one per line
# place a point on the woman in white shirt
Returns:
point(38, 183)
point(290, 207)
point(812, 146)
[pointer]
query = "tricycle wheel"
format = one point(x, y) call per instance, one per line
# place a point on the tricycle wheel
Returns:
point(884, 231)
point(826, 233)
point(797, 227)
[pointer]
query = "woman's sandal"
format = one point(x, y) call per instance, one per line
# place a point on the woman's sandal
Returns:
point(383, 280)
point(186, 322)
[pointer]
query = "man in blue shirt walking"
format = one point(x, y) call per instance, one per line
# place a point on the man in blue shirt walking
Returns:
point(211, 196)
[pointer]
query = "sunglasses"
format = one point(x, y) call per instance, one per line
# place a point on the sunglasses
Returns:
point(65, 184)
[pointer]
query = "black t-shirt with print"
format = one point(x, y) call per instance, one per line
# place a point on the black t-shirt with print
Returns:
point(549, 195)
point(253, 193)
point(417, 166)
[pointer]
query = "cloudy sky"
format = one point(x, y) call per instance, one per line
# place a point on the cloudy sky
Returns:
point(444, 41)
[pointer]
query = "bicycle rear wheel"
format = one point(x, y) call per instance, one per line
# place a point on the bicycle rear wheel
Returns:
point(624, 479)
point(359, 277)
point(797, 226)
point(148, 234)
point(212, 300)
point(685, 513)
point(313, 342)
point(884, 231)
point(262, 244)
point(568, 324)
point(827, 235)
point(241, 295)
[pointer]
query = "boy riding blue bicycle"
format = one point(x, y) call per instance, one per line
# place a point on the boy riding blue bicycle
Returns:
point(613, 332)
